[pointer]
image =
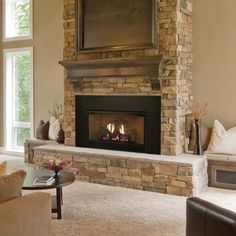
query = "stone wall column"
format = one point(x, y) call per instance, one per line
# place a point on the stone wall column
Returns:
point(175, 41)
point(174, 34)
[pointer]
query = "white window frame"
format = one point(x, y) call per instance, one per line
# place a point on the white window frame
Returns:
point(16, 38)
point(30, 124)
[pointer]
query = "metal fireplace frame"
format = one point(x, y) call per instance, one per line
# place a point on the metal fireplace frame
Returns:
point(148, 106)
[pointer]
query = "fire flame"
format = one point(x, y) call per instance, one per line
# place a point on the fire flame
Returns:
point(111, 127)
point(122, 129)
point(116, 133)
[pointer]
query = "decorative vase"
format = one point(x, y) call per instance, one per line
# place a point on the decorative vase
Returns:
point(61, 135)
point(198, 149)
point(57, 174)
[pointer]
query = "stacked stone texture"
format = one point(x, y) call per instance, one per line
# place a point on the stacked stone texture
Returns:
point(174, 36)
point(177, 178)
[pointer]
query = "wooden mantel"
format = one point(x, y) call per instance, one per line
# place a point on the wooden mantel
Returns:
point(149, 65)
point(133, 66)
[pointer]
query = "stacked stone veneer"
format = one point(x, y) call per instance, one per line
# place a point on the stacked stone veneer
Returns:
point(185, 175)
point(174, 36)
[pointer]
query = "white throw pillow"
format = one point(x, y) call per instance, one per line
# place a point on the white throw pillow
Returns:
point(53, 128)
point(222, 141)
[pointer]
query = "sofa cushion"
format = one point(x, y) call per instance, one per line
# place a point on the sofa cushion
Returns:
point(222, 141)
point(42, 130)
point(11, 185)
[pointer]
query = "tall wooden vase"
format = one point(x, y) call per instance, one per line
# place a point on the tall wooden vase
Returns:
point(198, 149)
point(61, 135)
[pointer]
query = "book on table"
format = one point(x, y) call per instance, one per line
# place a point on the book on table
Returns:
point(44, 180)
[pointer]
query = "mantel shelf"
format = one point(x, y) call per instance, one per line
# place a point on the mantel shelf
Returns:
point(134, 66)
point(149, 65)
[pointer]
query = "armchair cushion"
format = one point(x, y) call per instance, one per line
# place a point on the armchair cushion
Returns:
point(11, 185)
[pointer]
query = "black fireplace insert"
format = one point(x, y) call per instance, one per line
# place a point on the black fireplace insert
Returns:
point(127, 123)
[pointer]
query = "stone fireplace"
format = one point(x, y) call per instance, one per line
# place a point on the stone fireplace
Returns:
point(137, 72)
point(129, 98)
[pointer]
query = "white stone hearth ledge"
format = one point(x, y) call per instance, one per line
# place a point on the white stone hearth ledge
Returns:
point(185, 159)
point(184, 175)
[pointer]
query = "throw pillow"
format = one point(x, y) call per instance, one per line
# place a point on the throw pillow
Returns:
point(11, 185)
point(3, 168)
point(42, 130)
point(53, 128)
point(222, 141)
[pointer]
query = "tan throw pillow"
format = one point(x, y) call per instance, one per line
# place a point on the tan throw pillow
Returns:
point(11, 185)
point(3, 168)
point(42, 130)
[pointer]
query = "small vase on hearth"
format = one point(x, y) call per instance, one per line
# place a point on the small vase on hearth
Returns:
point(198, 149)
point(61, 135)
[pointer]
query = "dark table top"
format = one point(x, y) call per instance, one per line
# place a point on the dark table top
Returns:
point(65, 178)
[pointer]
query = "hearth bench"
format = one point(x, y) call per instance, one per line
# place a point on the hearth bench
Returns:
point(184, 175)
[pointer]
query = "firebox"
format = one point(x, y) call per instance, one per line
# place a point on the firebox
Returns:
point(127, 123)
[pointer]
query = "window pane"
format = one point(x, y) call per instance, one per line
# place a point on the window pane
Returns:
point(22, 87)
point(21, 135)
point(18, 100)
point(17, 18)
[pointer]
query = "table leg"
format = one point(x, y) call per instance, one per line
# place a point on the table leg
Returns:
point(61, 197)
point(59, 201)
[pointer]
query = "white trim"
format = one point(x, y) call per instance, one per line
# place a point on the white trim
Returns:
point(32, 90)
point(18, 38)
point(12, 153)
point(5, 51)
point(4, 96)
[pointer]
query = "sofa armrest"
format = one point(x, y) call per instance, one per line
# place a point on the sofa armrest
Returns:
point(29, 215)
point(207, 219)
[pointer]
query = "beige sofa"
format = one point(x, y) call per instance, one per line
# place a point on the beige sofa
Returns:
point(29, 215)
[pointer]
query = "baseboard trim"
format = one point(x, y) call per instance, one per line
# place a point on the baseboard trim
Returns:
point(11, 153)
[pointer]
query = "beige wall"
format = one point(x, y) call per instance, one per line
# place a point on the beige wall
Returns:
point(214, 27)
point(48, 50)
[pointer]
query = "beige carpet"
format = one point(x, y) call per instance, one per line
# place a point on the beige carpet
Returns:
point(99, 210)
point(93, 209)
point(13, 163)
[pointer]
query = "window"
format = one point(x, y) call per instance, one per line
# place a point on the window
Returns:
point(18, 71)
point(17, 19)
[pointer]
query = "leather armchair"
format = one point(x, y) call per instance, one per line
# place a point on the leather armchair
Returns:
point(207, 219)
